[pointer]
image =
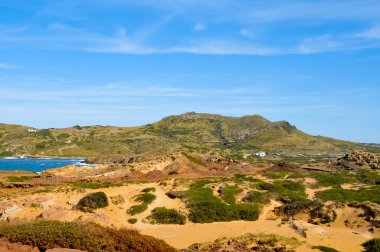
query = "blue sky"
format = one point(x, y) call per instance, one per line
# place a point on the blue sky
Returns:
point(313, 63)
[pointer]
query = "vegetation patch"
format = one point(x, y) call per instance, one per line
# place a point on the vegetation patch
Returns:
point(228, 194)
point(371, 194)
point(194, 160)
point(296, 207)
point(79, 235)
point(162, 215)
point(368, 177)
point(205, 207)
point(284, 190)
point(91, 185)
point(333, 179)
point(132, 220)
point(136, 209)
point(372, 245)
point(146, 198)
point(148, 189)
point(276, 175)
point(256, 197)
point(325, 249)
point(92, 201)
point(19, 179)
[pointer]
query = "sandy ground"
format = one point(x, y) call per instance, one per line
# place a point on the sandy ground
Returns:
point(342, 239)
point(55, 206)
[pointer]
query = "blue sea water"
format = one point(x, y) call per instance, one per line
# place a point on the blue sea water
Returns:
point(35, 164)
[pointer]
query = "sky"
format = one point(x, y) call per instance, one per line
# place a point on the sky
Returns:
point(313, 63)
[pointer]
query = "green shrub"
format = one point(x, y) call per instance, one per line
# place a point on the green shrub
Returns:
point(211, 212)
point(276, 175)
point(162, 215)
point(284, 190)
point(341, 195)
point(333, 179)
point(19, 179)
point(132, 220)
point(228, 194)
point(146, 198)
point(194, 160)
point(372, 245)
point(79, 235)
point(325, 249)
point(205, 207)
point(295, 207)
point(200, 183)
point(256, 197)
point(92, 201)
point(136, 209)
point(368, 177)
point(63, 136)
point(148, 189)
point(91, 185)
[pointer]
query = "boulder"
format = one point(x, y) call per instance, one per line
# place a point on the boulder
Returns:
point(8, 211)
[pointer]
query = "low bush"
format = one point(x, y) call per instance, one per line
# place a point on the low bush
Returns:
point(211, 212)
point(325, 249)
point(276, 175)
point(200, 183)
point(79, 235)
point(284, 190)
point(205, 207)
point(333, 179)
point(19, 179)
point(228, 194)
point(371, 194)
point(256, 197)
point(194, 160)
point(372, 245)
point(146, 198)
point(162, 215)
point(368, 177)
point(91, 185)
point(295, 207)
point(92, 201)
point(148, 189)
point(132, 220)
point(136, 209)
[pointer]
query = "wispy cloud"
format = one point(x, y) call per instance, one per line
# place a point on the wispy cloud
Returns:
point(232, 28)
point(371, 33)
point(4, 65)
point(247, 33)
point(323, 43)
point(199, 27)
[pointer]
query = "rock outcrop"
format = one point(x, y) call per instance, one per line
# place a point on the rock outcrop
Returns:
point(357, 160)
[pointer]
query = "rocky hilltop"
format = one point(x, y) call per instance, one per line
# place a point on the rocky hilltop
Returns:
point(195, 132)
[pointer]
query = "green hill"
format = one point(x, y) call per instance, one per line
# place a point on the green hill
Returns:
point(204, 133)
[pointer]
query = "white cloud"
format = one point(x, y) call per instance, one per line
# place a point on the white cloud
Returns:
point(372, 33)
point(315, 10)
point(247, 33)
point(224, 47)
point(199, 27)
point(318, 44)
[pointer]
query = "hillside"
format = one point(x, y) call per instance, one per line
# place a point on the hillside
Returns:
point(203, 133)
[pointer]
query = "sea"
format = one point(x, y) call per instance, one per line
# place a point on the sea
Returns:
point(37, 164)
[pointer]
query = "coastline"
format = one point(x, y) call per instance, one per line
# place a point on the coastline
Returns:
point(36, 165)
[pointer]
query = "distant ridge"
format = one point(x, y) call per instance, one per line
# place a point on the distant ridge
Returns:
point(196, 132)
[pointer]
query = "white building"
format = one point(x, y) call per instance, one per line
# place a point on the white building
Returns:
point(32, 130)
point(260, 154)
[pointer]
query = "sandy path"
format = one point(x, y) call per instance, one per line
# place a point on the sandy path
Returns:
point(186, 235)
